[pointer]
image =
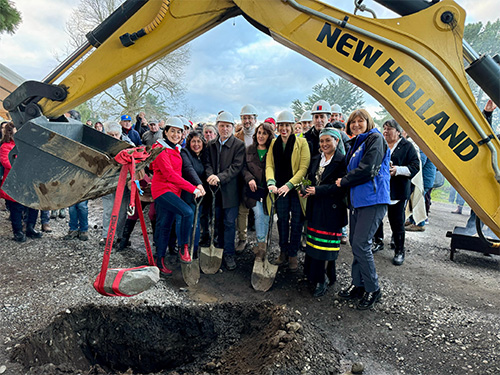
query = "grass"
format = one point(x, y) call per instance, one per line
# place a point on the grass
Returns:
point(441, 194)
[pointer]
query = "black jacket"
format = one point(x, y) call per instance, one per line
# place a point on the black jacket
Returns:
point(405, 155)
point(254, 169)
point(193, 171)
point(226, 165)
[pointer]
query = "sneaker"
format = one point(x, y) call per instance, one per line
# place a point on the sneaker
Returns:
point(240, 247)
point(377, 246)
point(83, 236)
point(72, 234)
point(184, 254)
point(53, 214)
point(369, 300)
point(415, 228)
point(343, 240)
point(62, 213)
point(229, 262)
point(102, 242)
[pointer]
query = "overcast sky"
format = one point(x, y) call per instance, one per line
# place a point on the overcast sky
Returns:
point(231, 65)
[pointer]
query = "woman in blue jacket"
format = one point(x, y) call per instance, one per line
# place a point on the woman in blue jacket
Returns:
point(368, 179)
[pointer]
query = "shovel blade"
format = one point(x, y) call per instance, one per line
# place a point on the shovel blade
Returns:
point(191, 272)
point(210, 259)
point(263, 275)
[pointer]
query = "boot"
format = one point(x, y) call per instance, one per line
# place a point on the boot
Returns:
point(46, 228)
point(160, 263)
point(19, 236)
point(184, 254)
point(281, 259)
point(458, 210)
point(399, 257)
point(293, 264)
point(31, 232)
point(399, 252)
point(321, 288)
point(127, 231)
point(260, 251)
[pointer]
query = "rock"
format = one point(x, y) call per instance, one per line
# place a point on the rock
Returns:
point(357, 368)
point(210, 366)
point(2, 369)
point(133, 281)
point(293, 327)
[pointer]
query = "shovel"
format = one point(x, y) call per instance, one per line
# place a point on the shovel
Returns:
point(191, 271)
point(263, 272)
point(211, 257)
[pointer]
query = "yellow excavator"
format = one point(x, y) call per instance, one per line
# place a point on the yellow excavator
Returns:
point(413, 65)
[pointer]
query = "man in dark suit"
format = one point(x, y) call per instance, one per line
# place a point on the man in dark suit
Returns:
point(225, 158)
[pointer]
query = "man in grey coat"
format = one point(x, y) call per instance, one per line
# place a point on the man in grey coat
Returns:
point(224, 161)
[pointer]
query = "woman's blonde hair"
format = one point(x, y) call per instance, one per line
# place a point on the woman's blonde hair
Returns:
point(363, 113)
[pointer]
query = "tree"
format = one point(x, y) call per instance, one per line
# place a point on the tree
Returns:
point(151, 89)
point(10, 18)
point(484, 39)
point(339, 91)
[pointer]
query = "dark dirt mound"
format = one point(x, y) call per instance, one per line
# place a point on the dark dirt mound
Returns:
point(222, 339)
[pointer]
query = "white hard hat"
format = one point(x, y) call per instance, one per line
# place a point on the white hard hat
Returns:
point(225, 117)
point(285, 116)
point(248, 110)
point(336, 109)
point(306, 116)
point(185, 121)
point(321, 106)
point(175, 122)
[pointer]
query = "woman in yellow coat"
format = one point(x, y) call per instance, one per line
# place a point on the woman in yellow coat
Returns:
point(286, 165)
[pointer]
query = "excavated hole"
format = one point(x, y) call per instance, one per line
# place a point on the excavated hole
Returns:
point(236, 338)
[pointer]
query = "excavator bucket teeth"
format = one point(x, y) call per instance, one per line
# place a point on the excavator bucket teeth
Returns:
point(59, 164)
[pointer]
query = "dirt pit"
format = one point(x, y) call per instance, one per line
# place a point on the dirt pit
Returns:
point(221, 339)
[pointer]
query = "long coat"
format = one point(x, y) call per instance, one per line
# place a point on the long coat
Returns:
point(327, 209)
point(404, 155)
point(226, 163)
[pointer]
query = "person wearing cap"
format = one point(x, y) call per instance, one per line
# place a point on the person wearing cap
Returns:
point(128, 131)
point(326, 211)
point(306, 120)
point(368, 181)
point(248, 116)
point(403, 166)
point(320, 114)
point(286, 165)
point(166, 187)
point(150, 137)
point(224, 161)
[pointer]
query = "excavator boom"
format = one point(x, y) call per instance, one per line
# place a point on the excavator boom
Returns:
point(413, 65)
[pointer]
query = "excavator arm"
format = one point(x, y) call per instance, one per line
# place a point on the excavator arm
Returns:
point(413, 65)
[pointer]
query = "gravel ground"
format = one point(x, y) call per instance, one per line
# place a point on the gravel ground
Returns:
point(436, 316)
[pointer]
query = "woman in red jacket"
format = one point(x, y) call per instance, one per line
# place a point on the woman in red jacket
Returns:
point(166, 188)
point(16, 209)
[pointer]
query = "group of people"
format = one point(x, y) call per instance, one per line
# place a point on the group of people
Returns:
point(318, 175)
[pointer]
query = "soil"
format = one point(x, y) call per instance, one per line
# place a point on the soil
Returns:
point(436, 316)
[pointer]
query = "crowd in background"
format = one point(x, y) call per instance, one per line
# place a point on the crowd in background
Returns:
point(330, 179)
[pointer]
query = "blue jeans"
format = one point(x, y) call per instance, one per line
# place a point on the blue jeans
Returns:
point(45, 217)
point(178, 222)
point(261, 222)
point(79, 217)
point(225, 228)
point(16, 215)
point(167, 206)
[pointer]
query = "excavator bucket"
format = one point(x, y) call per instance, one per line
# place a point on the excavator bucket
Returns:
point(63, 163)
